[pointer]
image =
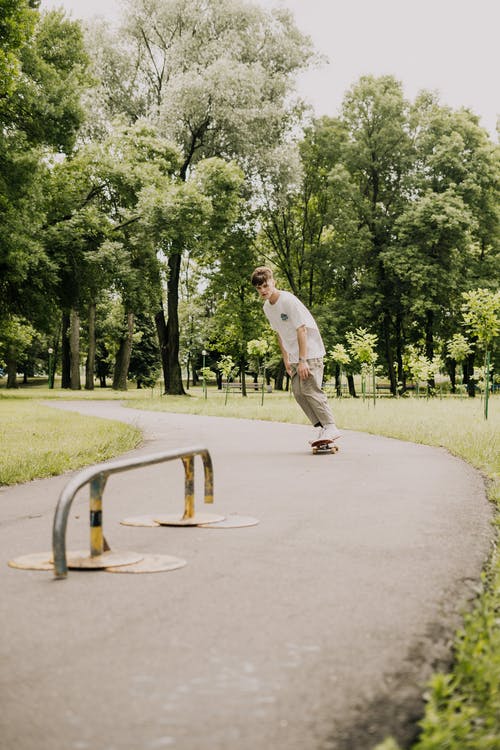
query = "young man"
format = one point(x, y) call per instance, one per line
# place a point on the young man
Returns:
point(302, 350)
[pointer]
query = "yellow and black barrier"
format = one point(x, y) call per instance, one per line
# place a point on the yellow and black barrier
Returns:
point(97, 476)
point(101, 556)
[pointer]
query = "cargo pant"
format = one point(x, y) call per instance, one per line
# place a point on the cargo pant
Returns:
point(309, 395)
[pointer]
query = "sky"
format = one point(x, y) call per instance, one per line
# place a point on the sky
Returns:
point(448, 46)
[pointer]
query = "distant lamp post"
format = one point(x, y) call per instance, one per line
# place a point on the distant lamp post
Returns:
point(51, 367)
point(204, 354)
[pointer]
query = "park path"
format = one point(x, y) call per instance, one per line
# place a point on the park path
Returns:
point(314, 630)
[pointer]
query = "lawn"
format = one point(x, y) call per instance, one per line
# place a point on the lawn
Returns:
point(38, 441)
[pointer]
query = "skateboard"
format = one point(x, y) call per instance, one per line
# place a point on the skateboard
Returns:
point(324, 446)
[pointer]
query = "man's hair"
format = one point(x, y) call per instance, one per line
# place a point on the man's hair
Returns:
point(261, 275)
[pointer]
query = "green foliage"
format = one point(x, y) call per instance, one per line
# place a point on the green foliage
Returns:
point(481, 314)
point(401, 200)
point(417, 365)
point(47, 100)
point(463, 708)
point(458, 347)
point(362, 345)
point(16, 336)
point(340, 354)
point(144, 366)
point(227, 367)
point(17, 21)
point(258, 348)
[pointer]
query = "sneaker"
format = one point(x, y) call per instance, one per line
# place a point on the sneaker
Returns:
point(316, 435)
point(330, 432)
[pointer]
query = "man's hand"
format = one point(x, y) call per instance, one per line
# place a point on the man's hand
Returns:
point(303, 370)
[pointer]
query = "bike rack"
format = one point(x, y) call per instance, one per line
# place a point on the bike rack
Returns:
point(97, 477)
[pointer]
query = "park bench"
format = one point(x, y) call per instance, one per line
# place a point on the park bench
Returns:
point(234, 385)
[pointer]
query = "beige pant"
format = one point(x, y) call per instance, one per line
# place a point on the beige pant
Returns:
point(308, 393)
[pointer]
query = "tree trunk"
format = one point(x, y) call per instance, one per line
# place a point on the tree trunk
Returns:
point(452, 372)
point(90, 364)
point(280, 376)
point(74, 347)
point(122, 361)
point(351, 386)
point(388, 354)
point(338, 383)
point(188, 371)
point(429, 345)
point(243, 378)
point(175, 387)
point(469, 375)
point(161, 330)
point(11, 372)
point(65, 351)
point(399, 353)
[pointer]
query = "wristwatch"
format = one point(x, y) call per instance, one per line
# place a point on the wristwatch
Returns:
point(302, 359)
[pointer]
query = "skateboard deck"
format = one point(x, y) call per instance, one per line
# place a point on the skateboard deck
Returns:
point(324, 446)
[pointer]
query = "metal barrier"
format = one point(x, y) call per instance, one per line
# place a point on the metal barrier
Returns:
point(97, 477)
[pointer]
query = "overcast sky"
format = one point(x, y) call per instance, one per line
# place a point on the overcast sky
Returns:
point(448, 46)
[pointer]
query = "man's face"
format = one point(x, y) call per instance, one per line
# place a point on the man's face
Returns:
point(267, 289)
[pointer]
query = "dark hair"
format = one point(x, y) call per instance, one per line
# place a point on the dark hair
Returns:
point(261, 275)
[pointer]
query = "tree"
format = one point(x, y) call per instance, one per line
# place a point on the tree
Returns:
point(481, 314)
point(378, 157)
point(454, 153)
point(17, 21)
point(341, 357)
point(195, 216)
point(216, 77)
point(47, 101)
point(430, 259)
point(449, 232)
point(16, 336)
point(311, 229)
point(362, 345)
point(38, 112)
point(96, 231)
point(458, 349)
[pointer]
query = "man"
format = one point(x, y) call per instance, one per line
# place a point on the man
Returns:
point(302, 349)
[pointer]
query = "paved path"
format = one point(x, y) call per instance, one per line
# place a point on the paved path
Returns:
point(314, 630)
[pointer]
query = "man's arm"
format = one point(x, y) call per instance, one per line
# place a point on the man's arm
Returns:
point(284, 354)
point(303, 368)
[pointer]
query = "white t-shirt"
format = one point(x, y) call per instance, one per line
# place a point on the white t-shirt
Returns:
point(286, 315)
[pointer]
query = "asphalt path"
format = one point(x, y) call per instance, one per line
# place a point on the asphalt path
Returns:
point(316, 629)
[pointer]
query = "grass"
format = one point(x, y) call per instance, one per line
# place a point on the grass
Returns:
point(38, 441)
point(463, 706)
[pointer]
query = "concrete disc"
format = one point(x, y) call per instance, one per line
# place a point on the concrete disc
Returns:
point(139, 521)
point(196, 520)
point(81, 559)
point(232, 521)
point(36, 561)
point(150, 564)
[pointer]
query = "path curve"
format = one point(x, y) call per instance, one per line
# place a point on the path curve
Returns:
point(315, 630)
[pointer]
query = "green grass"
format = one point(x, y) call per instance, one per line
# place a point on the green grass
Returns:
point(463, 706)
point(38, 441)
